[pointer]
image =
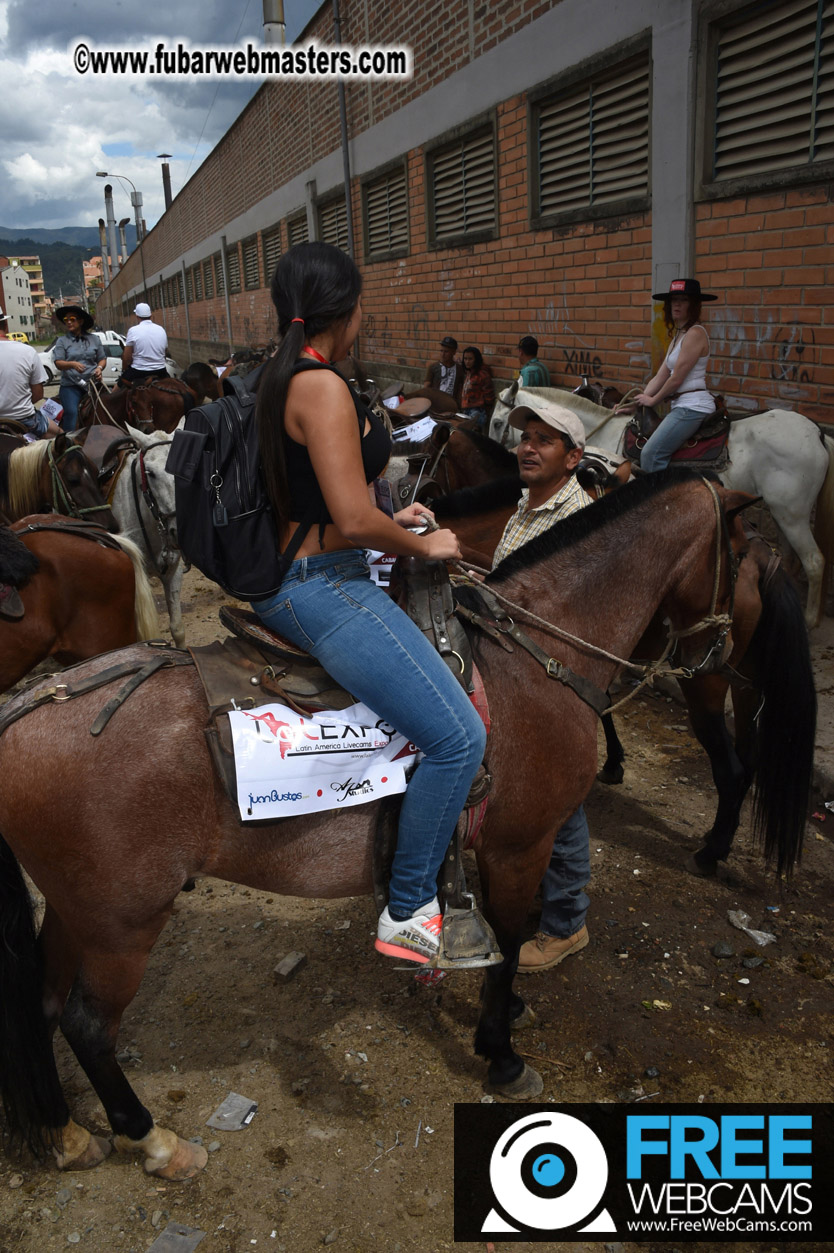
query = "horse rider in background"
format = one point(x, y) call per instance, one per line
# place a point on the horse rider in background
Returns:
point(145, 348)
point(80, 358)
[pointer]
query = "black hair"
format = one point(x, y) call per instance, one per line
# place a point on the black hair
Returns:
point(319, 284)
point(476, 353)
point(529, 345)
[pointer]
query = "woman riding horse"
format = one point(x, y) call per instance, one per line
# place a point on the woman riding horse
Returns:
point(320, 448)
point(682, 377)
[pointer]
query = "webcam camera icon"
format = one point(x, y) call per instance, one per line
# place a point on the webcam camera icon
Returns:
point(548, 1172)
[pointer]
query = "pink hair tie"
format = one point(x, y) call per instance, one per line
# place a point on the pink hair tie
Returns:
point(301, 320)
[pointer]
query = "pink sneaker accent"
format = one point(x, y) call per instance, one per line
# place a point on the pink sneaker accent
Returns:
point(415, 939)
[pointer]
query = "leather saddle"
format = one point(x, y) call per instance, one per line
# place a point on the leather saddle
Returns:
point(707, 447)
point(103, 445)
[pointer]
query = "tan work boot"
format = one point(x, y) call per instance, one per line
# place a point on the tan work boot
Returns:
point(545, 951)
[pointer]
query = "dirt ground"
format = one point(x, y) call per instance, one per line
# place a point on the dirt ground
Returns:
point(355, 1067)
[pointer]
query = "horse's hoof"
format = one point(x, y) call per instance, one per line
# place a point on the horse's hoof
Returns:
point(526, 1087)
point(525, 1019)
point(611, 777)
point(166, 1155)
point(80, 1150)
point(188, 1160)
point(702, 865)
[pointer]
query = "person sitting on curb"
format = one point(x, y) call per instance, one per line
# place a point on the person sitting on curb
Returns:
point(531, 373)
point(552, 442)
point(443, 383)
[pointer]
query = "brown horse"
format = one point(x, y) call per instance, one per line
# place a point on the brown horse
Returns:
point(450, 460)
point(154, 405)
point(87, 593)
point(111, 871)
point(52, 474)
point(768, 675)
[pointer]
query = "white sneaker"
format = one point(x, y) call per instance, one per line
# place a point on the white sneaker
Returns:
point(414, 939)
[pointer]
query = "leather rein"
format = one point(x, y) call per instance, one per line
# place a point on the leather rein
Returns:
point(60, 492)
point(501, 627)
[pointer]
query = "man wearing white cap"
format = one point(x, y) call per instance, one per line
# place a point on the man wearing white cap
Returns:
point(552, 442)
point(145, 349)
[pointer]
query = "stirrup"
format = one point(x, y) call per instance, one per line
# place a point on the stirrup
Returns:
point(466, 939)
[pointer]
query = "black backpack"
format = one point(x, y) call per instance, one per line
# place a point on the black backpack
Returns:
point(225, 523)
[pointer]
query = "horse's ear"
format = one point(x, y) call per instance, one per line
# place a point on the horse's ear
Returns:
point(440, 435)
point(735, 502)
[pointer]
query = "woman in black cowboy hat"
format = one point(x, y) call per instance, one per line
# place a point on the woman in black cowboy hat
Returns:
point(79, 356)
point(682, 377)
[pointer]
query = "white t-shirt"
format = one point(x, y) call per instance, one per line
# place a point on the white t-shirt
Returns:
point(149, 345)
point(20, 371)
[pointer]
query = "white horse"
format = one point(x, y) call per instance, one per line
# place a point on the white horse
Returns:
point(144, 507)
point(779, 455)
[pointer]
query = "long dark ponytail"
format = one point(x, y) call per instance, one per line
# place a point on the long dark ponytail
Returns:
point(319, 284)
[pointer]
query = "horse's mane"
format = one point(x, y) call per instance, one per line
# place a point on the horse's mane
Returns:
point(578, 526)
point(496, 453)
point(471, 500)
point(17, 564)
point(25, 465)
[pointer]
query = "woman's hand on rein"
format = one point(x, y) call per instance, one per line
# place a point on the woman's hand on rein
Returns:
point(442, 546)
point(414, 515)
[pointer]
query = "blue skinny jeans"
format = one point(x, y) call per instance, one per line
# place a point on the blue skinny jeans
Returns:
point(677, 427)
point(69, 398)
point(329, 606)
point(564, 899)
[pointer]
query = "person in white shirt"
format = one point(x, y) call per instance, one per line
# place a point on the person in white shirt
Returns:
point(145, 348)
point(682, 377)
point(21, 384)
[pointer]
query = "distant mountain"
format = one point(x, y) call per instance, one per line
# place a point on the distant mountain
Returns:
point(84, 236)
point(61, 262)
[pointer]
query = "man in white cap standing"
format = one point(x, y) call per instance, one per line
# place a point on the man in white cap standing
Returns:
point(551, 447)
point(145, 348)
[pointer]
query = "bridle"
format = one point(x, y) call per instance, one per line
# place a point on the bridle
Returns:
point(501, 624)
point(169, 553)
point(60, 491)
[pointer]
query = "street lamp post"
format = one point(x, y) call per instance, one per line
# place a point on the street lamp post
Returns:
point(136, 201)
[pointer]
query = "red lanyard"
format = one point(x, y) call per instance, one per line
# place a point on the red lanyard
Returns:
point(317, 355)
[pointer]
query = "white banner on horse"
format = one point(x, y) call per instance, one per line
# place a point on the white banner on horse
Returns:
point(291, 764)
point(416, 432)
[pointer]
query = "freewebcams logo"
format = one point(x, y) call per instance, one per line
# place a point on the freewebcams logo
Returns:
point(548, 1171)
point(681, 1172)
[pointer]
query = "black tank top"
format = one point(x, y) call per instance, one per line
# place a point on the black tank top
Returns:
point(303, 484)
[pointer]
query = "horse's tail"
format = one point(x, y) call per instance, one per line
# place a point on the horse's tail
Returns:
point(146, 617)
point(786, 723)
point(30, 1091)
point(824, 514)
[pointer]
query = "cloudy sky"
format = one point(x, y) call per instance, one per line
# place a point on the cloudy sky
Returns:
point(59, 127)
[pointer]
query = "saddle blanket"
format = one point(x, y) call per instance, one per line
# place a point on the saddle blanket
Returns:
point(288, 763)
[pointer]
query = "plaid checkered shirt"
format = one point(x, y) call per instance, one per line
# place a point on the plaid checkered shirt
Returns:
point(526, 524)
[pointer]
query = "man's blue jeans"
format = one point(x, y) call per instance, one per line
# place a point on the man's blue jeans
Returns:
point(69, 398)
point(677, 427)
point(564, 900)
point(328, 605)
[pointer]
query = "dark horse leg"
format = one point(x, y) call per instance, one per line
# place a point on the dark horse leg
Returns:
point(732, 764)
point(507, 894)
point(612, 769)
point(104, 985)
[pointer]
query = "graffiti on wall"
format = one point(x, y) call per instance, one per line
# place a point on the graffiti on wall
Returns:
point(377, 333)
point(740, 341)
point(552, 326)
point(793, 354)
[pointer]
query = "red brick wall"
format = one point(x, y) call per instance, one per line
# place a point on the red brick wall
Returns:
point(770, 260)
point(583, 290)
